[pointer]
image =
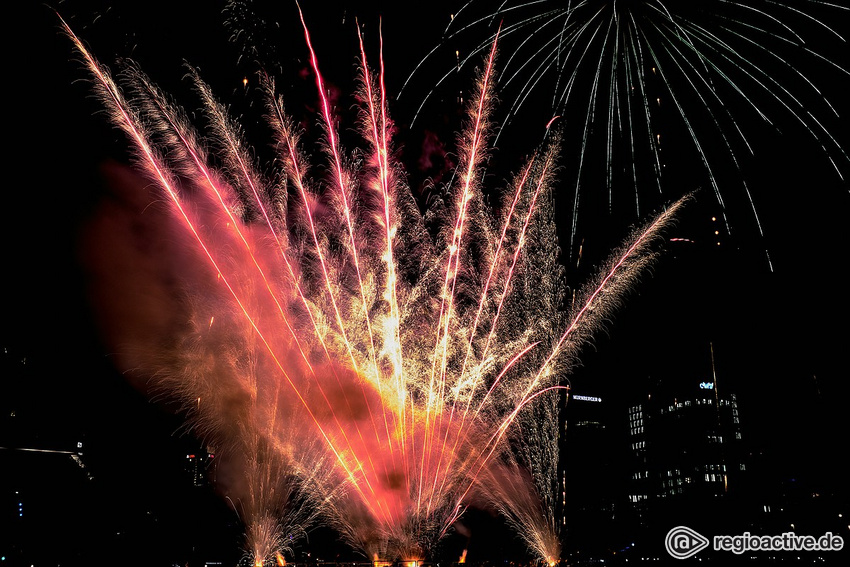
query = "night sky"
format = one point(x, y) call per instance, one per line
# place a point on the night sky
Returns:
point(780, 337)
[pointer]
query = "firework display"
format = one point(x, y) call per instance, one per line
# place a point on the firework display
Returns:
point(648, 85)
point(355, 361)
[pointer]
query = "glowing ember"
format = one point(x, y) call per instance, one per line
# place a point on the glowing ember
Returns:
point(358, 365)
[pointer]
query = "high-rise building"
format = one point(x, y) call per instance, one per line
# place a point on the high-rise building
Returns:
point(687, 457)
point(198, 467)
point(587, 485)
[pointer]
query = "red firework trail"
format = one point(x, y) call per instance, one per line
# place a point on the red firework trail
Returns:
point(408, 352)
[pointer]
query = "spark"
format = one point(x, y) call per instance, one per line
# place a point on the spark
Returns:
point(723, 73)
point(357, 368)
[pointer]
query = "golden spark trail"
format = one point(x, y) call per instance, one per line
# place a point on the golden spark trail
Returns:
point(211, 184)
point(493, 444)
point(381, 153)
point(342, 185)
point(296, 177)
point(294, 173)
point(397, 412)
point(129, 124)
point(339, 175)
point(504, 293)
point(616, 289)
point(474, 151)
point(517, 252)
point(234, 146)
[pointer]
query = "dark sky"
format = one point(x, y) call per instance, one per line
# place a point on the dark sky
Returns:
point(780, 337)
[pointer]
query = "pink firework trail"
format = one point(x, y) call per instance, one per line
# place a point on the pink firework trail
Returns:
point(355, 367)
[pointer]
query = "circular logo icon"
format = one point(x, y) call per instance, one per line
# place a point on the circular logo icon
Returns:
point(683, 542)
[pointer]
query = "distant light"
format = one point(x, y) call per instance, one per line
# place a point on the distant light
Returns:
point(713, 219)
point(245, 82)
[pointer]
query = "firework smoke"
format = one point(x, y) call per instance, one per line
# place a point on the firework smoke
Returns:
point(353, 363)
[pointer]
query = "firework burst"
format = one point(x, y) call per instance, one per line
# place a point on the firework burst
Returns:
point(638, 81)
point(356, 364)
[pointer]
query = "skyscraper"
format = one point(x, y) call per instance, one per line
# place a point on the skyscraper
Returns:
point(198, 466)
point(687, 458)
point(588, 483)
